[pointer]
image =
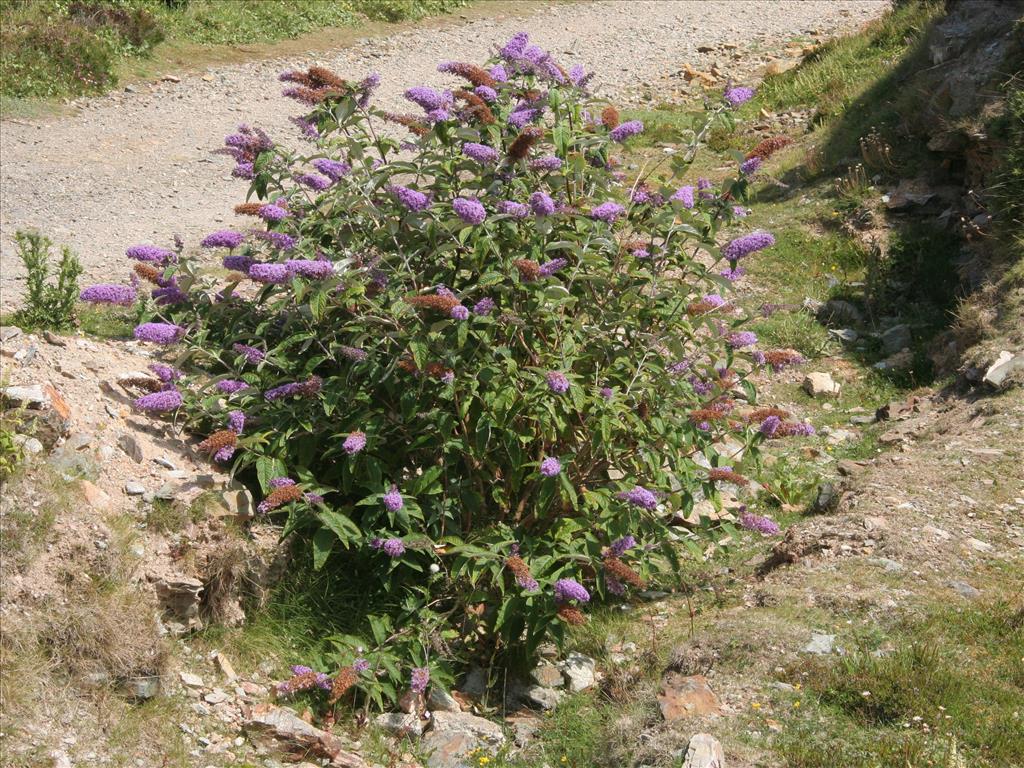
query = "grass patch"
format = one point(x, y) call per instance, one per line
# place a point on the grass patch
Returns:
point(954, 677)
point(31, 504)
point(792, 330)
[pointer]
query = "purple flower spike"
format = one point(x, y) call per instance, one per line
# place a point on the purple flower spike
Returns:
point(739, 95)
point(763, 525)
point(251, 354)
point(159, 333)
point(480, 152)
point(393, 500)
point(354, 443)
point(557, 382)
point(639, 497)
point(542, 204)
point(607, 212)
point(484, 307)
point(459, 312)
point(149, 253)
point(513, 209)
point(238, 263)
point(236, 421)
point(546, 163)
point(550, 467)
point(741, 339)
point(160, 402)
point(428, 98)
point(230, 386)
point(410, 198)
point(567, 590)
point(685, 196)
point(747, 244)
point(626, 130)
point(419, 680)
point(166, 373)
point(314, 181)
point(271, 212)
point(486, 93)
point(225, 238)
point(551, 267)
point(332, 169)
point(623, 545)
point(314, 269)
point(469, 210)
point(109, 293)
point(750, 166)
point(392, 547)
point(270, 274)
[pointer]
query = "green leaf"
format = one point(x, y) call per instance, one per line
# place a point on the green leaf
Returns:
point(340, 525)
point(323, 543)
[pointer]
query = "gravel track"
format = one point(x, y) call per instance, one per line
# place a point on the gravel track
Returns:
point(137, 167)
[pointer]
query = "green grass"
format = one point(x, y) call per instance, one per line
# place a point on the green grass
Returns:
point(53, 49)
point(954, 676)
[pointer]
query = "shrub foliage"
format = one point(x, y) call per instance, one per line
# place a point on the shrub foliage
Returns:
point(472, 362)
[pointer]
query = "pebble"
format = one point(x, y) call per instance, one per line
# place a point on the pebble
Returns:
point(134, 489)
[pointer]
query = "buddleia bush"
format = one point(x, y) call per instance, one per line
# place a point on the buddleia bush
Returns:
point(464, 354)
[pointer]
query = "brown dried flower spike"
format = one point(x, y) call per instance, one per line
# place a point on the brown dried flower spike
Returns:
point(521, 146)
point(248, 209)
point(572, 615)
point(727, 475)
point(281, 496)
point(438, 303)
point(622, 572)
point(528, 270)
point(148, 272)
point(345, 679)
point(610, 117)
point(223, 438)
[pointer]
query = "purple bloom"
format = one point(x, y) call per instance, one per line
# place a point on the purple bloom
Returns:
point(438, 115)
point(271, 274)
point(166, 373)
point(169, 292)
point(390, 547)
point(149, 253)
point(312, 498)
point(410, 198)
point(741, 339)
point(448, 377)
point(419, 680)
point(313, 181)
point(393, 500)
point(557, 382)
point(620, 547)
point(626, 130)
point(251, 354)
point(542, 204)
point(306, 127)
point(740, 212)
point(550, 467)
point(704, 187)
point(238, 263)
point(366, 88)
point(332, 169)
point(498, 73)
point(469, 210)
point(272, 212)
point(639, 497)
point(685, 196)
point(763, 525)
point(546, 163)
point(523, 117)
point(578, 76)
point(641, 253)
point(230, 386)
point(514, 209)
point(747, 244)
point(732, 275)
point(713, 299)
point(770, 426)
point(224, 454)
point(428, 98)
point(607, 212)
point(739, 95)
point(315, 269)
point(278, 240)
point(360, 665)
point(281, 482)
point(303, 388)
point(244, 170)
point(109, 293)
point(236, 421)
point(615, 586)
point(480, 152)
point(160, 402)
point(159, 333)
point(484, 307)
point(354, 443)
point(459, 312)
point(567, 590)
point(486, 93)
point(679, 368)
point(514, 48)
point(552, 266)
point(607, 393)
point(224, 238)
point(801, 429)
point(750, 166)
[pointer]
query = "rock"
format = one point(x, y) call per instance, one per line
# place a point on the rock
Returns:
point(704, 751)
point(60, 759)
point(412, 703)
point(896, 338)
point(238, 504)
point(839, 312)
point(891, 566)
point(547, 676)
point(224, 665)
point(820, 644)
point(53, 338)
point(475, 683)
point(282, 724)
point(29, 444)
point(134, 489)
point(170, 79)
point(454, 735)
point(439, 700)
point(580, 672)
point(9, 332)
point(846, 335)
point(542, 698)
point(1004, 366)
point(850, 468)
point(143, 688)
point(826, 499)
point(909, 192)
point(524, 728)
point(179, 596)
point(216, 696)
point(49, 413)
point(94, 497)
point(164, 462)
point(683, 696)
point(820, 384)
point(964, 589)
point(132, 447)
point(978, 545)
point(190, 680)
point(167, 492)
point(400, 724)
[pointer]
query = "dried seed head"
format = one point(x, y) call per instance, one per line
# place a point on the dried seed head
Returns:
point(149, 272)
point(142, 382)
point(223, 438)
point(324, 78)
point(610, 117)
point(443, 304)
point(619, 570)
point(526, 139)
point(476, 108)
point(727, 475)
point(248, 209)
point(769, 147)
point(759, 415)
point(476, 75)
point(345, 679)
point(281, 496)
point(416, 125)
point(572, 615)
point(706, 414)
point(528, 270)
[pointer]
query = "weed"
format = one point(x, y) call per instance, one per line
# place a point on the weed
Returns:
point(48, 304)
point(792, 330)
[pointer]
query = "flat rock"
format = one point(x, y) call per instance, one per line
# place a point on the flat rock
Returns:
point(896, 338)
point(547, 676)
point(580, 671)
point(143, 688)
point(439, 700)
point(839, 312)
point(541, 697)
point(49, 413)
point(820, 384)
point(94, 496)
point(295, 734)
point(190, 680)
point(682, 696)
point(964, 589)
point(454, 735)
point(400, 724)
point(1005, 365)
point(134, 489)
point(704, 751)
point(821, 644)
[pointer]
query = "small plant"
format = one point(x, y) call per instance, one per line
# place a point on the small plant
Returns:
point(49, 304)
point(853, 183)
point(11, 454)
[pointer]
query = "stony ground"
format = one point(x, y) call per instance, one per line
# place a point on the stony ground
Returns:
point(137, 166)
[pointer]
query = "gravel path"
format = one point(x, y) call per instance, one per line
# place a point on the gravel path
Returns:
point(137, 167)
